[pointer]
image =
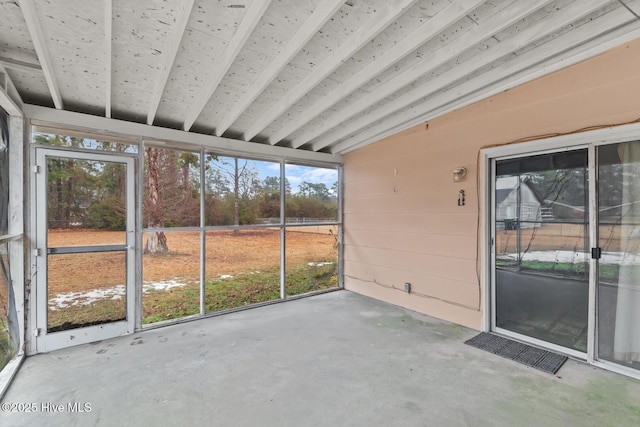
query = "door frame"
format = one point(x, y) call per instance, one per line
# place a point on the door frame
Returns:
point(573, 141)
point(576, 354)
point(52, 341)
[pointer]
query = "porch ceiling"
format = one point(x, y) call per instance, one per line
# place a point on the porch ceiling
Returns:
point(319, 75)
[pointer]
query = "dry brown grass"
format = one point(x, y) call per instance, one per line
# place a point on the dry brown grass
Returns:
point(226, 253)
point(557, 237)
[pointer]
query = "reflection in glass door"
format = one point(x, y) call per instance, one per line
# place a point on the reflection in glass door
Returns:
point(541, 248)
point(619, 266)
point(85, 239)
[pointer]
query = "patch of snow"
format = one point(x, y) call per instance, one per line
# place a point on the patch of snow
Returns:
point(226, 276)
point(70, 299)
point(85, 298)
point(618, 258)
point(162, 286)
point(319, 264)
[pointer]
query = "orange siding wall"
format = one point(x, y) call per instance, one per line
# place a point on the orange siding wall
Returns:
point(401, 218)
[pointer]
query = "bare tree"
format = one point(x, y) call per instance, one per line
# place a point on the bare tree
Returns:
point(156, 241)
point(241, 176)
point(237, 173)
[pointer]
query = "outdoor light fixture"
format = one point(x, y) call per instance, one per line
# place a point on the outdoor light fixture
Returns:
point(458, 174)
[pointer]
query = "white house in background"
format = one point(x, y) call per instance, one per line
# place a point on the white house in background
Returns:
point(531, 207)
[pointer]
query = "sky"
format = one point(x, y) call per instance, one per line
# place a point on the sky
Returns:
point(295, 174)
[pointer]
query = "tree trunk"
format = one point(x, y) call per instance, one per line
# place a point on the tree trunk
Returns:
point(185, 178)
point(59, 213)
point(236, 201)
point(156, 241)
point(69, 201)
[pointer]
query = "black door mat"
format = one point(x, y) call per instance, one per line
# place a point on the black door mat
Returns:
point(542, 360)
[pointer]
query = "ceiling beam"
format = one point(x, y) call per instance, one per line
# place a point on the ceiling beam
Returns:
point(40, 44)
point(324, 11)
point(169, 57)
point(466, 42)
point(421, 35)
point(108, 32)
point(20, 66)
point(10, 87)
point(371, 28)
point(543, 28)
point(584, 42)
point(244, 30)
point(43, 116)
point(10, 104)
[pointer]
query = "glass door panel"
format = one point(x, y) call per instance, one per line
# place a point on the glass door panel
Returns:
point(85, 245)
point(86, 217)
point(541, 247)
point(77, 299)
point(619, 266)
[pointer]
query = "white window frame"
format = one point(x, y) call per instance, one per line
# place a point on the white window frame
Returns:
point(170, 138)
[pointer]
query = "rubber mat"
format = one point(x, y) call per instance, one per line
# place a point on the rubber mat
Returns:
point(534, 357)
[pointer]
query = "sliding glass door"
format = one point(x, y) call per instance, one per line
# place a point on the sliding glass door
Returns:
point(545, 242)
point(541, 248)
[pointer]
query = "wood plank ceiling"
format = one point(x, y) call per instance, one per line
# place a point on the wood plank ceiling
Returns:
point(320, 75)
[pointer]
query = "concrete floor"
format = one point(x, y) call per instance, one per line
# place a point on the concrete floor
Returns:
point(337, 359)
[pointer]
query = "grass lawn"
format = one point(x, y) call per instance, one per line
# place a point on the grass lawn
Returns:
point(220, 294)
point(241, 269)
point(241, 290)
point(7, 346)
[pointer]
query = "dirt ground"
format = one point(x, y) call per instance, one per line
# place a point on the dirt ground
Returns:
point(227, 253)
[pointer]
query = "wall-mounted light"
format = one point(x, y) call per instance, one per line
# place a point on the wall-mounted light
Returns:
point(459, 174)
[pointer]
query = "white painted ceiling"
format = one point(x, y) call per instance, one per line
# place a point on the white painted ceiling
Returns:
point(320, 75)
